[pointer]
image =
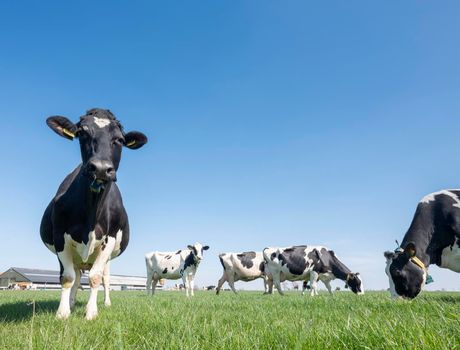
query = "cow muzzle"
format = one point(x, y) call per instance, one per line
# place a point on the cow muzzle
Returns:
point(101, 172)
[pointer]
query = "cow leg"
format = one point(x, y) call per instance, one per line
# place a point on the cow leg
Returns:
point(313, 283)
point(277, 282)
point(149, 275)
point(270, 285)
point(221, 282)
point(191, 282)
point(95, 277)
point(328, 286)
point(106, 281)
point(149, 283)
point(76, 285)
point(67, 277)
point(304, 287)
point(185, 282)
point(265, 284)
point(231, 283)
point(155, 278)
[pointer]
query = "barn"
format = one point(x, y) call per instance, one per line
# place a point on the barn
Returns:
point(27, 278)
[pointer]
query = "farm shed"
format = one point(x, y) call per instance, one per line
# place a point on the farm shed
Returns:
point(27, 278)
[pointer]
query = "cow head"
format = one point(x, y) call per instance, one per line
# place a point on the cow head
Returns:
point(197, 251)
point(404, 272)
point(101, 139)
point(355, 283)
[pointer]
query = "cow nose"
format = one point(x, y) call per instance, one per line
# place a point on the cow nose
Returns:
point(102, 169)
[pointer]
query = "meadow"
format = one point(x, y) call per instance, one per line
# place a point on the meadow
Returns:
point(249, 320)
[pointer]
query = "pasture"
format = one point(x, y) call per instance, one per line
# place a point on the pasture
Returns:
point(249, 320)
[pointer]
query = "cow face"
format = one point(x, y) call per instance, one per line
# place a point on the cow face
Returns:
point(355, 283)
point(101, 139)
point(197, 251)
point(406, 277)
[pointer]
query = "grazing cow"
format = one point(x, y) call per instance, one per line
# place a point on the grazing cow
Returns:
point(246, 266)
point(433, 238)
point(174, 265)
point(297, 263)
point(85, 224)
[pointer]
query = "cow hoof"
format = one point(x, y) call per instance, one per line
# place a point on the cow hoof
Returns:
point(63, 315)
point(91, 315)
point(107, 303)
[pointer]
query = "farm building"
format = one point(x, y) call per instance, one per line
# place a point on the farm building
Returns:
point(24, 278)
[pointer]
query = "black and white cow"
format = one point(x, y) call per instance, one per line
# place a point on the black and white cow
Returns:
point(86, 224)
point(246, 266)
point(174, 265)
point(433, 238)
point(299, 263)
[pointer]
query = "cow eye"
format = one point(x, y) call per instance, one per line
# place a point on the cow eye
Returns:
point(117, 141)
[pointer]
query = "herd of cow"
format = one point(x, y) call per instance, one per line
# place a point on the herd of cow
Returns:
point(86, 226)
point(273, 265)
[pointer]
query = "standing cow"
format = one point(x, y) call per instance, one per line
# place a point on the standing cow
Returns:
point(174, 265)
point(297, 263)
point(86, 224)
point(433, 238)
point(246, 266)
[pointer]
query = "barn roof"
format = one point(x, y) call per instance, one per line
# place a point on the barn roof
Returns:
point(40, 275)
point(51, 276)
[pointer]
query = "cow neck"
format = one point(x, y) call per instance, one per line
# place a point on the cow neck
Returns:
point(339, 270)
point(94, 202)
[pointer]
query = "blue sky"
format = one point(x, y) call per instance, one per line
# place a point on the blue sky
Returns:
point(270, 123)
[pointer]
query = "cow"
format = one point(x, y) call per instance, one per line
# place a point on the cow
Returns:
point(174, 265)
point(432, 238)
point(299, 263)
point(85, 224)
point(246, 266)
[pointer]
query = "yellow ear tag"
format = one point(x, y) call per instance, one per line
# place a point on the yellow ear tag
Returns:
point(131, 143)
point(418, 262)
point(68, 133)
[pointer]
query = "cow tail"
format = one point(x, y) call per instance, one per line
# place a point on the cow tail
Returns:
point(222, 260)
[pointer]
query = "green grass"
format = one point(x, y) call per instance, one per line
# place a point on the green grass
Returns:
point(249, 320)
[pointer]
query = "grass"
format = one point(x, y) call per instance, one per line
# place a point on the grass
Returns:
point(249, 320)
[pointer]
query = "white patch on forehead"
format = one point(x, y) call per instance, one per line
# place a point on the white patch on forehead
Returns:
point(431, 197)
point(101, 122)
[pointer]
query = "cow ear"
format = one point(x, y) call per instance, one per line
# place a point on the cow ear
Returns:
point(135, 139)
point(389, 255)
point(206, 247)
point(190, 247)
point(410, 250)
point(317, 254)
point(62, 126)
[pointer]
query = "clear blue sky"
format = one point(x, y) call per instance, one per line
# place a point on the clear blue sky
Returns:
point(270, 123)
